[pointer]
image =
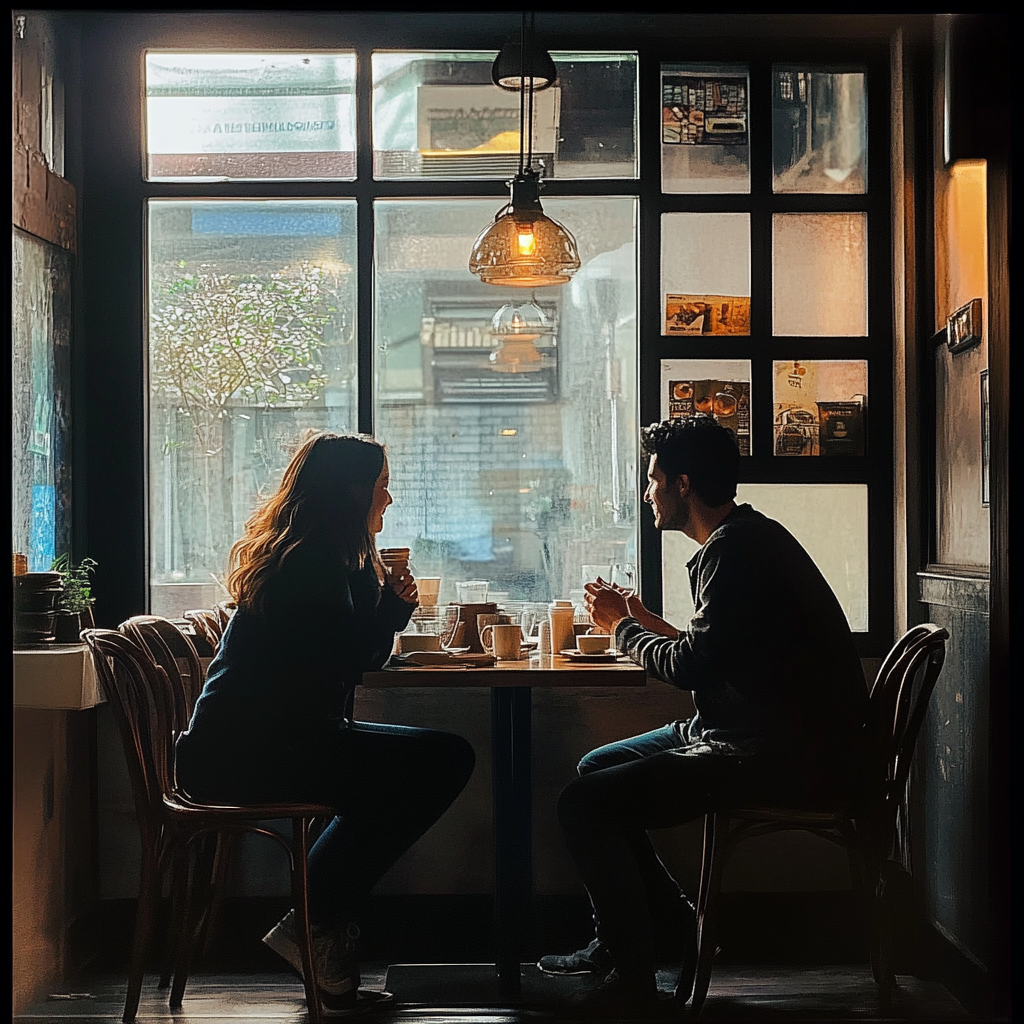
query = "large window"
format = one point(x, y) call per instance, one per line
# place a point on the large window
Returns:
point(512, 465)
point(311, 217)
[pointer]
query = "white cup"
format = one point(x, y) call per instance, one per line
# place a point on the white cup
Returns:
point(503, 640)
point(593, 643)
point(471, 591)
point(418, 642)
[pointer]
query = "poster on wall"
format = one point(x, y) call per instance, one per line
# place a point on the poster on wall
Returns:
point(719, 388)
point(704, 110)
point(707, 314)
point(820, 407)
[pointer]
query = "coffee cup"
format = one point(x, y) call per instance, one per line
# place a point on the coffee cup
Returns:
point(408, 642)
point(593, 643)
point(394, 558)
point(428, 587)
point(503, 640)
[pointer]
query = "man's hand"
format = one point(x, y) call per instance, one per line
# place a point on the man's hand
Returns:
point(605, 604)
point(403, 583)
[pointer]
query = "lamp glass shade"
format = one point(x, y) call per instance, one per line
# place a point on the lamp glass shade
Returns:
point(525, 320)
point(524, 249)
point(510, 70)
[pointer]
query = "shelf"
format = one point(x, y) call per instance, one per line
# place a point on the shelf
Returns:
point(59, 678)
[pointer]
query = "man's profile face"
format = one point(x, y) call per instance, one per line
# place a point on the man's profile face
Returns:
point(671, 510)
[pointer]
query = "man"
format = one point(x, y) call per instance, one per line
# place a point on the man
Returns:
point(778, 689)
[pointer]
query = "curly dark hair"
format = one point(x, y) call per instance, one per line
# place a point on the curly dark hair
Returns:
point(701, 448)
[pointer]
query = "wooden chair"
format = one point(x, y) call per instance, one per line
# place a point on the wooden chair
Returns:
point(896, 708)
point(146, 708)
point(208, 624)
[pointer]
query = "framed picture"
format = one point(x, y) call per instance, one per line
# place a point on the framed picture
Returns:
point(985, 436)
point(963, 328)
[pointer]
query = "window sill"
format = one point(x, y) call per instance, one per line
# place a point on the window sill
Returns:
point(62, 679)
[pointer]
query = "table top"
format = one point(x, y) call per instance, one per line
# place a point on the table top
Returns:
point(539, 670)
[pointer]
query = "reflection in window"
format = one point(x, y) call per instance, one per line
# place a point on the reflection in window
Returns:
point(251, 309)
point(250, 115)
point(829, 520)
point(819, 132)
point(517, 473)
point(820, 274)
point(820, 406)
point(705, 273)
point(438, 115)
point(705, 128)
point(713, 387)
point(40, 391)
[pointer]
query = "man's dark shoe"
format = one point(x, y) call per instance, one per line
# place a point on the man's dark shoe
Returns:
point(623, 996)
point(594, 959)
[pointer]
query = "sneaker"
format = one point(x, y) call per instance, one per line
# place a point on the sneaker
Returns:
point(594, 959)
point(336, 967)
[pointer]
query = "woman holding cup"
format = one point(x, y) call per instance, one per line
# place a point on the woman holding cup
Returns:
point(317, 607)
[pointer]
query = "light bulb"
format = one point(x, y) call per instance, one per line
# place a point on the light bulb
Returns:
point(527, 241)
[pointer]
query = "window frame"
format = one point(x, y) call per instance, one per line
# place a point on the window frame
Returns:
point(116, 290)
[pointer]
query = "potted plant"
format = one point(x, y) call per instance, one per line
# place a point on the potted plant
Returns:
point(74, 609)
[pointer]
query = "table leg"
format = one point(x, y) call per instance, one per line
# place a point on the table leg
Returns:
point(512, 788)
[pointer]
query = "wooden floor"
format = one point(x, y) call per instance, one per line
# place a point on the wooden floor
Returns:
point(464, 995)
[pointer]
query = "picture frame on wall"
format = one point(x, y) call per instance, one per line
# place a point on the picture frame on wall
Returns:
point(985, 440)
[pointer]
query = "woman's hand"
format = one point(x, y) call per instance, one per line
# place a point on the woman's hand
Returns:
point(403, 583)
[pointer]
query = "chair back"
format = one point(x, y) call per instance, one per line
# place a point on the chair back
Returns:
point(208, 623)
point(224, 610)
point(142, 698)
point(173, 650)
point(897, 705)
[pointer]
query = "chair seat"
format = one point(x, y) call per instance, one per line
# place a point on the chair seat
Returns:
point(179, 804)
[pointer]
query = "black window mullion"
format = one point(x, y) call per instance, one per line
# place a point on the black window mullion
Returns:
point(364, 241)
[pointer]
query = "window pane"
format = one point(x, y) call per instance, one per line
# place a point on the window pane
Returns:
point(705, 273)
point(250, 115)
point(705, 128)
point(438, 115)
point(819, 132)
point(251, 314)
point(821, 406)
point(719, 387)
point(516, 472)
point(820, 274)
point(40, 391)
point(830, 520)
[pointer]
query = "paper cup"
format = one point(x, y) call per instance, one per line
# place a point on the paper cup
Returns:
point(429, 587)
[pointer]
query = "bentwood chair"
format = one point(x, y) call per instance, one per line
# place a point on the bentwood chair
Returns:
point(865, 828)
point(147, 711)
point(208, 623)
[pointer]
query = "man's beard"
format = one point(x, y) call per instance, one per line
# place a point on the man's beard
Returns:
point(679, 517)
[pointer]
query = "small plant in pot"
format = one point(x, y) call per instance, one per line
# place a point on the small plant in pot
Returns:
point(74, 610)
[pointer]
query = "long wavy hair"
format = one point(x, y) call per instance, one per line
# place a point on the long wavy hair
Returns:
point(323, 501)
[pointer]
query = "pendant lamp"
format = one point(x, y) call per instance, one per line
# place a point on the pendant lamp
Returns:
point(517, 325)
point(523, 247)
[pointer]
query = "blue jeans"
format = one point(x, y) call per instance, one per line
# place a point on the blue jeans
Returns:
point(387, 783)
point(655, 780)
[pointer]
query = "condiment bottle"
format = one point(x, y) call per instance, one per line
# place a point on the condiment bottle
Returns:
point(560, 615)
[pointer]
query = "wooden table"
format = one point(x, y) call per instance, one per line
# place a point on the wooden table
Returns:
point(510, 683)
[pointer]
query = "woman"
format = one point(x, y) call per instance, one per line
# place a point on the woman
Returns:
point(316, 609)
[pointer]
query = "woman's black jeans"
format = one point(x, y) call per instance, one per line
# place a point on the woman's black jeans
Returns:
point(387, 783)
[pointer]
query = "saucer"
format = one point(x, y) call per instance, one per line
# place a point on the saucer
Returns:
point(576, 655)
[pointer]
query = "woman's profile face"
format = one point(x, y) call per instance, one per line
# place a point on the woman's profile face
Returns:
point(381, 499)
